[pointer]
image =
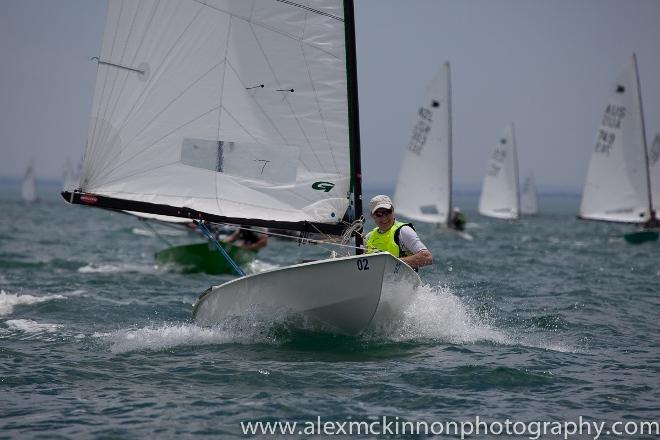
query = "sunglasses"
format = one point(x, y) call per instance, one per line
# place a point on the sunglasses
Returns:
point(382, 213)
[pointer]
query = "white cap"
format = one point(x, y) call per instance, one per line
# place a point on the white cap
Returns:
point(379, 201)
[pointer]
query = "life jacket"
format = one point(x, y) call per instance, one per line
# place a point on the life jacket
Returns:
point(387, 241)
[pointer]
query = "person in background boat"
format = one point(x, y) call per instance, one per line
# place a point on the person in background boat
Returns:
point(653, 222)
point(457, 219)
point(397, 238)
point(248, 239)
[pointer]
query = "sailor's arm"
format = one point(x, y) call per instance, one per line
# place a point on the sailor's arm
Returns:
point(421, 258)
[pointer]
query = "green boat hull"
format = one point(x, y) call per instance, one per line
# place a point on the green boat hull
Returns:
point(204, 257)
point(641, 236)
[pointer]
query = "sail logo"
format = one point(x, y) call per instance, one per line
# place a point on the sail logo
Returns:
point(323, 186)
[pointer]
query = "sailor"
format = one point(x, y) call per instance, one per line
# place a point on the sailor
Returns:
point(247, 239)
point(397, 238)
point(457, 219)
point(653, 222)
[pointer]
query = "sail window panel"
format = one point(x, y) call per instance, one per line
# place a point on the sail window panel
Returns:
point(272, 163)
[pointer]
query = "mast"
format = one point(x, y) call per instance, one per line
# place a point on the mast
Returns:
point(646, 151)
point(353, 114)
point(449, 139)
point(515, 169)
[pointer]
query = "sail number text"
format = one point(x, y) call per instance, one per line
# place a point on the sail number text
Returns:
point(362, 264)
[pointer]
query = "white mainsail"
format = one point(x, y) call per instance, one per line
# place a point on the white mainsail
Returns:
point(230, 108)
point(499, 194)
point(529, 204)
point(617, 184)
point(423, 190)
point(29, 185)
point(654, 171)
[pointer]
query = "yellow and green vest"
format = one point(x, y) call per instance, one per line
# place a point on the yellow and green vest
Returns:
point(387, 241)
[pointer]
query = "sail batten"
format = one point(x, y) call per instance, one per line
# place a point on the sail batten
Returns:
point(233, 109)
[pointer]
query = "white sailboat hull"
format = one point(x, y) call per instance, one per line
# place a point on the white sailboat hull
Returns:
point(344, 295)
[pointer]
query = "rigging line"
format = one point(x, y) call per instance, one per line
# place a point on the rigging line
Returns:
point(292, 237)
point(308, 8)
point(118, 65)
point(146, 223)
point(135, 108)
point(202, 227)
point(267, 27)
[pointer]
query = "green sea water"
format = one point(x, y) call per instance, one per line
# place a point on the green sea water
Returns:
point(545, 319)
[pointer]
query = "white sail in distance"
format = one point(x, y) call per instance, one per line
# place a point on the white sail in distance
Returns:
point(529, 204)
point(29, 185)
point(617, 183)
point(499, 194)
point(654, 170)
point(423, 190)
point(231, 108)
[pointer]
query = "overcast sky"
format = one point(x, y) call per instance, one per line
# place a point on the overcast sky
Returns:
point(545, 65)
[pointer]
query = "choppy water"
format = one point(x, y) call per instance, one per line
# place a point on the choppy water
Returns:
point(544, 319)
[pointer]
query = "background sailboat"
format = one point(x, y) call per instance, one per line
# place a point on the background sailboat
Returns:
point(500, 196)
point(242, 113)
point(654, 170)
point(618, 184)
point(529, 204)
point(424, 186)
point(29, 184)
point(423, 189)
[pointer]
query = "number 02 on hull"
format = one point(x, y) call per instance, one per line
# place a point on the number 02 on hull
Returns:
point(344, 295)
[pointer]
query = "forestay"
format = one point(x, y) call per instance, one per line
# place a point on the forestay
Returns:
point(499, 194)
point(617, 188)
point(423, 190)
point(221, 107)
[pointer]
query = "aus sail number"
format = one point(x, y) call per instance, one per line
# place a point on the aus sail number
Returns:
point(362, 264)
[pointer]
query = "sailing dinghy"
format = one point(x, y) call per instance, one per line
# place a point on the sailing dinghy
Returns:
point(424, 187)
point(500, 197)
point(618, 185)
point(243, 113)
